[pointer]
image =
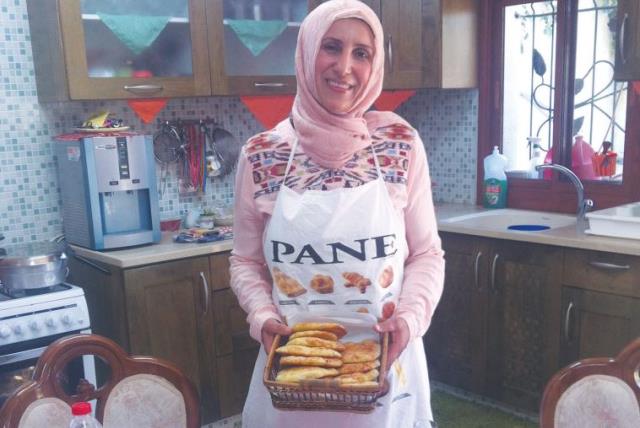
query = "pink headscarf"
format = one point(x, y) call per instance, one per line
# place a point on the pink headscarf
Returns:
point(331, 139)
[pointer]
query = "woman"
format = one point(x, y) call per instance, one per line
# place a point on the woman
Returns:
point(312, 201)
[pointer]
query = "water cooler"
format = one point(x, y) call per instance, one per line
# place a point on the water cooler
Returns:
point(109, 193)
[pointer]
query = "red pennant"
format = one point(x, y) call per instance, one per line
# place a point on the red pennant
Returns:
point(390, 100)
point(147, 109)
point(269, 110)
point(636, 87)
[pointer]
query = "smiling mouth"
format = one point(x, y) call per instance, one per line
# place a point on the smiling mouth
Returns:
point(339, 85)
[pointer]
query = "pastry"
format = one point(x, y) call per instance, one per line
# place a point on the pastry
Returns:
point(359, 367)
point(323, 284)
point(354, 279)
point(386, 277)
point(361, 352)
point(315, 342)
point(307, 351)
point(332, 327)
point(296, 374)
point(296, 360)
point(286, 284)
point(358, 378)
point(327, 335)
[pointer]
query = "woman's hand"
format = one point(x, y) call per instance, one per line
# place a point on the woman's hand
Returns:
point(270, 328)
point(398, 337)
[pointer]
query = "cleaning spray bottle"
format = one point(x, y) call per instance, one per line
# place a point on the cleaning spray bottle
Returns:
point(495, 180)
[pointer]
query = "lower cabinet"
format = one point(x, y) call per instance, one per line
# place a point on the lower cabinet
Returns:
point(494, 333)
point(514, 313)
point(182, 311)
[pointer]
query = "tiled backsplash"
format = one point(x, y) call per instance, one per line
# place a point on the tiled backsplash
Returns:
point(30, 206)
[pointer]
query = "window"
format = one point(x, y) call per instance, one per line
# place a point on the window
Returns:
point(548, 95)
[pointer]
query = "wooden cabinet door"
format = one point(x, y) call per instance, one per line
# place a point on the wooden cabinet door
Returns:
point(242, 67)
point(454, 342)
point(596, 324)
point(403, 24)
point(628, 41)
point(103, 61)
point(170, 316)
point(524, 312)
point(236, 350)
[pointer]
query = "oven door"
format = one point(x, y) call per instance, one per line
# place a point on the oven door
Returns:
point(18, 361)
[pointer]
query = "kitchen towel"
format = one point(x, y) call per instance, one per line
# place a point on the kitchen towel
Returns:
point(137, 32)
point(256, 35)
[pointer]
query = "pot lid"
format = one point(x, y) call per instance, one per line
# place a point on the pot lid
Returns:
point(31, 254)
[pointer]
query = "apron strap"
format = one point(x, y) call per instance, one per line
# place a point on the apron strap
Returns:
point(375, 160)
point(294, 146)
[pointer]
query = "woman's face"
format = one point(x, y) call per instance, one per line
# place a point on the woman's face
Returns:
point(343, 64)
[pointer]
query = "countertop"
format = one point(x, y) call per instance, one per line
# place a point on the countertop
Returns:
point(566, 236)
point(562, 236)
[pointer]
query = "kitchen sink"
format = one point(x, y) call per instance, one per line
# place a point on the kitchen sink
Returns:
point(510, 219)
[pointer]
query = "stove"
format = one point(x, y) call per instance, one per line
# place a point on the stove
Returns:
point(51, 311)
point(31, 320)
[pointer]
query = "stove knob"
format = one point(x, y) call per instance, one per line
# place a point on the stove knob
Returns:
point(34, 325)
point(66, 319)
point(50, 322)
point(4, 331)
point(17, 329)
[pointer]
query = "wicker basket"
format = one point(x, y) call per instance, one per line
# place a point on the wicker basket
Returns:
point(324, 394)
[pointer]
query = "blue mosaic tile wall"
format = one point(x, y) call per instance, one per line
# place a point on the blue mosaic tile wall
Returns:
point(30, 205)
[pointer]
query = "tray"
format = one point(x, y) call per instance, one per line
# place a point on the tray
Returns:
point(620, 222)
point(118, 129)
point(324, 394)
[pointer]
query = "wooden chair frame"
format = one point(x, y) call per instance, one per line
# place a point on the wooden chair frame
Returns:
point(50, 368)
point(626, 367)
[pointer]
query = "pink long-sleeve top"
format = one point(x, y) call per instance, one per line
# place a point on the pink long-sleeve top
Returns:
point(403, 162)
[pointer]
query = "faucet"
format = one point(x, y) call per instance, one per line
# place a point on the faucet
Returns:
point(583, 204)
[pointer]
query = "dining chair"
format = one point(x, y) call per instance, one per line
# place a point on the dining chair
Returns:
point(140, 392)
point(595, 392)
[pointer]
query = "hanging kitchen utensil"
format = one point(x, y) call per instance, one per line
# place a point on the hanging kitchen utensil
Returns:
point(213, 160)
point(166, 150)
point(228, 149)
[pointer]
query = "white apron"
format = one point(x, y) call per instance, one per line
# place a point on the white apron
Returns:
point(342, 250)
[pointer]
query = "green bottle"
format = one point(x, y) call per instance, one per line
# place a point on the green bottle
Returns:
point(495, 180)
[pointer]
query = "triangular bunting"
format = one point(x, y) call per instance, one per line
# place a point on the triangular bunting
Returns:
point(256, 35)
point(269, 110)
point(390, 100)
point(147, 109)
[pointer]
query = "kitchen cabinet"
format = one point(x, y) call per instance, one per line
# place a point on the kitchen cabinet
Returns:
point(77, 55)
point(600, 304)
point(241, 65)
point(182, 311)
point(627, 65)
point(495, 331)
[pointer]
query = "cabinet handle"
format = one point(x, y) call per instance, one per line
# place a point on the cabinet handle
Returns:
point(609, 266)
point(493, 271)
point(206, 293)
point(567, 318)
point(390, 53)
point(269, 84)
point(143, 89)
point(621, 37)
point(476, 269)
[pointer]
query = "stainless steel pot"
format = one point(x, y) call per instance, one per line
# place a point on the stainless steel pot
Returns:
point(32, 265)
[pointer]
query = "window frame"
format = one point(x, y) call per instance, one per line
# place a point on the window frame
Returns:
point(557, 194)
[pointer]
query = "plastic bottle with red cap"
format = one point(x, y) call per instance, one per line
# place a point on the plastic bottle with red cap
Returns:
point(82, 416)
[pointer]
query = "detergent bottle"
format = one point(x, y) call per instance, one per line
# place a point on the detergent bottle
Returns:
point(495, 180)
point(582, 159)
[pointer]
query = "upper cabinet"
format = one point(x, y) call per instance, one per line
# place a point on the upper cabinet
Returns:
point(106, 49)
point(119, 49)
point(429, 43)
point(252, 45)
point(628, 41)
